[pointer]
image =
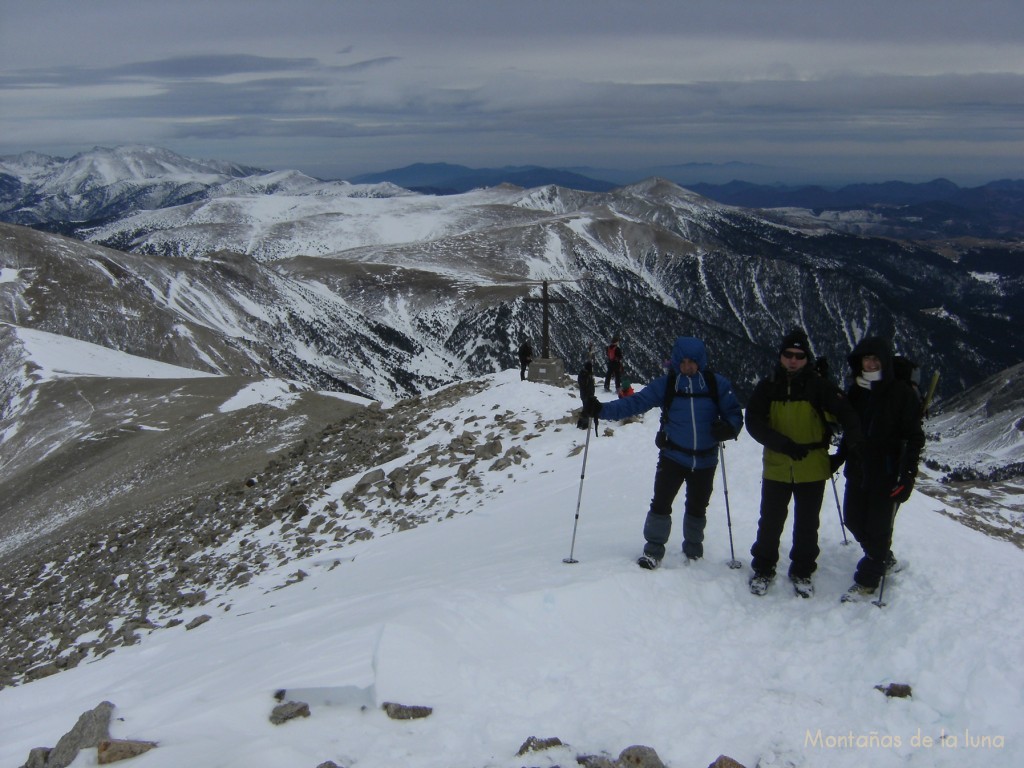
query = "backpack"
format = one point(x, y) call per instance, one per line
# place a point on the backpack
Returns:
point(661, 439)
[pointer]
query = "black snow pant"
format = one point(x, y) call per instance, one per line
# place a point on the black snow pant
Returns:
point(775, 497)
point(614, 371)
point(869, 514)
point(668, 479)
point(523, 366)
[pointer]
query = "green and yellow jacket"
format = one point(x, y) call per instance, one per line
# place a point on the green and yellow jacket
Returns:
point(803, 408)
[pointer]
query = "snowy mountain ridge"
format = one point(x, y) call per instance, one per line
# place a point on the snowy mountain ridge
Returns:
point(109, 183)
point(654, 258)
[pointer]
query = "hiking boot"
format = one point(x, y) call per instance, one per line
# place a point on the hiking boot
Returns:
point(804, 587)
point(648, 563)
point(858, 593)
point(892, 565)
point(760, 582)
point(693, 559)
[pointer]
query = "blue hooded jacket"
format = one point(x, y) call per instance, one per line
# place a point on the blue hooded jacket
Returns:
point(690, 415)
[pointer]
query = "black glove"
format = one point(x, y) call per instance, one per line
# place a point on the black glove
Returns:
point(835, 461)
point(794, 450)
point(592, 407)
point(721, 430)
point(903, 488)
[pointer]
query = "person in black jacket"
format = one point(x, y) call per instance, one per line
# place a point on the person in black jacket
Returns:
point(882, 476)
point(525, 358)
point(792, 413)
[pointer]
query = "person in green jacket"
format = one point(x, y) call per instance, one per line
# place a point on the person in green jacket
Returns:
point(792, 413)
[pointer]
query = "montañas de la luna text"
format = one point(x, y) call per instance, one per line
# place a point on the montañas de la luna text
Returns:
point(876, 740)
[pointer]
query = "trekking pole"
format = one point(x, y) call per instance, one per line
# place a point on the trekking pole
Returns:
point(733, 563)
point(881, 587)
point(839, 510)
point(579, 498)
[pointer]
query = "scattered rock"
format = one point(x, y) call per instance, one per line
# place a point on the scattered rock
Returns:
point(37, 757)
point(198, 621)
point(289, 711)
point(596, 761)
point(724, 761)
point(533, 744)
point(405, 711)
point(92, 728)
point(639, 756)
point(895, 690)
point(114, 750)
point(371, 477)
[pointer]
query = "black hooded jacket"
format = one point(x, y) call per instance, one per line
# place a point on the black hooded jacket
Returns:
point(890, 417)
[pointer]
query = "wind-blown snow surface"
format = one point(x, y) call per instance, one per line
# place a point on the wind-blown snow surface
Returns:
point(58, 355)
point(478, 617)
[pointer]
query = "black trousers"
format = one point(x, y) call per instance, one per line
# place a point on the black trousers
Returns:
point(668, 479)
point(775, 498)
point(869, 514)
point(614, 370)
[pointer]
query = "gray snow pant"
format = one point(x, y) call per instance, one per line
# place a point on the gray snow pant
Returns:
point(668, 479)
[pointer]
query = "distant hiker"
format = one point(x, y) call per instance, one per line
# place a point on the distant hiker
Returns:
point(881, 476)
point(699, 410)
point(525, 358)
point(614, 355)
point(790, 413)
point(626, 389)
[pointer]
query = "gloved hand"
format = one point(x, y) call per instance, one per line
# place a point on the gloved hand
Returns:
point(903, 488)
point(721, 430)
point(592, 407)
point(794, 450)
point(835, 461)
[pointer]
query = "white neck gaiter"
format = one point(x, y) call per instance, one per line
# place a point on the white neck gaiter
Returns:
point(867, 378)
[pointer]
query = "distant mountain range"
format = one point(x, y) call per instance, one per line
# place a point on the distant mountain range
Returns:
point(893, 208)
point(105, 184)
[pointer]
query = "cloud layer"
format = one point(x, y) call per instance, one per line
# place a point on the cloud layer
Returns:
point(914, 90)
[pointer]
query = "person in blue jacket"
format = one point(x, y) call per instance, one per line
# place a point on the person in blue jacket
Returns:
point(702, 412)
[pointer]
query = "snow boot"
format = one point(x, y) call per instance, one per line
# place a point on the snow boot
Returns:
point(759, 583)
point(858, 593)
point(892, 565)
point(802, 586)
point(648, 563)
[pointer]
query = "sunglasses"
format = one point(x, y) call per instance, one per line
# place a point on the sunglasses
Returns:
point(794, 355)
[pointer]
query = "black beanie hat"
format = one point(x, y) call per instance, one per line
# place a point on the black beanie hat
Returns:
point(796, 339)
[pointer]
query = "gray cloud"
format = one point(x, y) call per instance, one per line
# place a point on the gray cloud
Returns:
point(829, 88)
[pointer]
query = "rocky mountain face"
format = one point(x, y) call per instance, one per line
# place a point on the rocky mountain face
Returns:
point(976, 450)
point(346, 287)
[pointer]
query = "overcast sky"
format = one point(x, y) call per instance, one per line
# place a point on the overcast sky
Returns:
point(855, 89)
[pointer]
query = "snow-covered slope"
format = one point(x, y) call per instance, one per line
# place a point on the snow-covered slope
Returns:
point(469, 609)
